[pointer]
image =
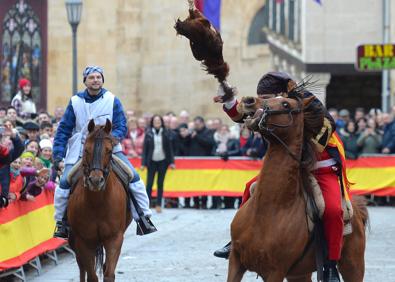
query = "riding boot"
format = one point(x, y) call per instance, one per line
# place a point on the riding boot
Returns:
point(60, 203)
point(330, 272)
point(144, 223)
point(224, 252)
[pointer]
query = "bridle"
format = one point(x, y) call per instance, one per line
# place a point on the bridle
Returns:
point(97, 159)
point(263, 126)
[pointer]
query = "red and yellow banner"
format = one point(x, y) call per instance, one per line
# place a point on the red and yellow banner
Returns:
point(212, 176)
point(26, 230)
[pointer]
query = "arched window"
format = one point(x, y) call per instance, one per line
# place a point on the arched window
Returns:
point(256, 35)
point(21, 51)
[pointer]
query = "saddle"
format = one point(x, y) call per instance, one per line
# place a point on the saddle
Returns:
point(121, 170)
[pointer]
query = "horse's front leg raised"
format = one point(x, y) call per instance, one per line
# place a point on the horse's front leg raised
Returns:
point(236, 270)
point(113, 249)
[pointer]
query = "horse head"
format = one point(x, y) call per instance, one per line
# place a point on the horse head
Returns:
point(284, 120)
point(97, 155)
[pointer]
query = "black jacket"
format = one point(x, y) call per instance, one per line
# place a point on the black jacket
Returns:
point(148, 147)
point(202, 144)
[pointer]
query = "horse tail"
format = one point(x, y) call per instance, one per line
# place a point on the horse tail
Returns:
point(99, 258)
point(360, 206)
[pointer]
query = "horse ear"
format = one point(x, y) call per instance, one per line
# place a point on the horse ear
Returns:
point(91, 125)
point(308, 101)
point(108, 126)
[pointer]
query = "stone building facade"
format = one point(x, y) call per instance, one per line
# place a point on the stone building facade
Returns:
point(145, 63)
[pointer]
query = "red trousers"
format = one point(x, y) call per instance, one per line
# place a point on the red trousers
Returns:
point(333, 214)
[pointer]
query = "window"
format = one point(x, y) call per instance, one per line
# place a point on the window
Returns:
point(291, 20)
point(21, 51)
point(256, 35)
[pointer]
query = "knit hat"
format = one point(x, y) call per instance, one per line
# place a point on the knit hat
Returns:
point(27, 154)
point(45, 143)
point(23, 82)
point(91, 69)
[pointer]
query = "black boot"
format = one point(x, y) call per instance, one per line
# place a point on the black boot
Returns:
point(224, 252)
point(330, 272)
point(145, 226)
point(61, 230)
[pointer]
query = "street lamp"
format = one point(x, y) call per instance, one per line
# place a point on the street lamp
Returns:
point(74, 9)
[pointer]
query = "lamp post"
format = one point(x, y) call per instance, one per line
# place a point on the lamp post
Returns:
point(74, 9)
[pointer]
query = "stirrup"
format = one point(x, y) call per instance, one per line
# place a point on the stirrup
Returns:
point(145, 226)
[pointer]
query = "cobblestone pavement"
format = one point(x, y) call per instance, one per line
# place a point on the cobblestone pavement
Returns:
point(182, 250)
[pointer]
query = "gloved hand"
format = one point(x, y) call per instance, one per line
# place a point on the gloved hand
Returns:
point(56, 164)
point(226, 96)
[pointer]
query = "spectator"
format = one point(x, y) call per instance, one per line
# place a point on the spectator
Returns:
point(202, 144)
point(157, 156)
point(361, 125)
point(129, 114)
point(142, 124)
point(344, 117)
point(133, 143)
point(35, 187)
point(7, 155)
point(43, 116)
point(23, 100)
point(27, 159)
point(370, 140)
point(359, 113)
point(46, 130)
point(255, 147)
point(183, 117)
point(183, 140)
point(16, 181)
point(12, 116)
point(33, 146)
point(245, 133)
point(388, 143)
point(32, 130)
point(46, 152)
point(349, 137)
point(3, 112)
point(58, 114)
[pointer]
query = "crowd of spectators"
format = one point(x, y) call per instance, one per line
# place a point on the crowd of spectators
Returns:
point(365, 133)
point(26, 137)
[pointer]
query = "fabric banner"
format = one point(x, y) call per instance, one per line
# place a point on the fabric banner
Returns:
point(26, 230)
point(215, 177)
point(211, 9)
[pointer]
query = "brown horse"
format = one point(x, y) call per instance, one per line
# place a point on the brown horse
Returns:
point(97, 211)
point(270, 233)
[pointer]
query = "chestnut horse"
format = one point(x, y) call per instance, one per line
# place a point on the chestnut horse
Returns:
point(270, 233)
point(97, 211)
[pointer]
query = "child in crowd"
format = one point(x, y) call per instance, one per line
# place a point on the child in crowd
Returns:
point(33, 147)
point(16, 181)
point(46, 152)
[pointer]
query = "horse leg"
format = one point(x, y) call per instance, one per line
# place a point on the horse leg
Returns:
point(236, 270)
point(352, 262)
point(113, 250)
point(301, 278)
point(86, 258)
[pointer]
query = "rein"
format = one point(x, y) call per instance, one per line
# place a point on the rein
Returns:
point(263, 126)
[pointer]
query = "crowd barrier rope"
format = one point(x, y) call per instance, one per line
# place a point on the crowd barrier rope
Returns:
point(26, 227)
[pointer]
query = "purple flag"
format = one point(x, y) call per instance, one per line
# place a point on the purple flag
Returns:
point(212, 11)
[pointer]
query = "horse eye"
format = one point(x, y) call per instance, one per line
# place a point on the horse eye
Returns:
point(286, 105)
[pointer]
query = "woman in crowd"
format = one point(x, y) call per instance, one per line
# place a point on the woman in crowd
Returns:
point(349, 136)
point(157, 156)
point(133, 143)
point(23, 100)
